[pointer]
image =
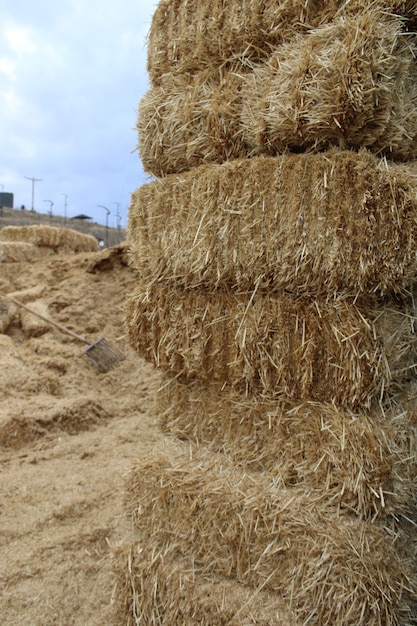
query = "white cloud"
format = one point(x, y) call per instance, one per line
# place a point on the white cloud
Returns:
point(71, 76)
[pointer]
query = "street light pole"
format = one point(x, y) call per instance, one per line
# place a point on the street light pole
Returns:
point(51, 204)
point(65, 208)
point(118, 221)
point(34, 180)
point(107, 222)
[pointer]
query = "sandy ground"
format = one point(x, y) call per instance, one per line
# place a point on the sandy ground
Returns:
point(68, 435)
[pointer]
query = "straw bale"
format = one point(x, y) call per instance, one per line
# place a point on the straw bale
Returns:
point(187, 37)
point(365, 462)
point(187, 121)
point(74, 241)
point(308, 223)
point(170, 591)
point(32, 325)
point(331, 568)
point(20, 251)
point(351, 83)
point(275, 344)
point(57, 238)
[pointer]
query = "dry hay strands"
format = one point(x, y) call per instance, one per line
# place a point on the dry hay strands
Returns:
point(32, 325)
point(366, 463)
point(163, 589)
point(309, 223)
point(331, 568)
point(58, 239)
point(20, 251)
point(351, 83)
point(187, 121)
point(278, 345)
point(186, 37)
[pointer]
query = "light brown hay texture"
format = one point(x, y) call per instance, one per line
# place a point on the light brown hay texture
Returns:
point(187, 37)
point(19, 251)
point(58, 239)
point(365, 462)
point(187, 121)
point(278, 345)
point(165, 590)
point(333, 569)
point(351, 83)
point(307, 223)
point(32, 325)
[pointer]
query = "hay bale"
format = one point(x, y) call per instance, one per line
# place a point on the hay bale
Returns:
point(186, 37)
point(37, 235)
point(307, 223)
point(351, 83)
point(365, 462)
point(187, 121)
point(275, 344)
point(170, 590)
point(74, 241)
point(57, 239)
point(331, 568)
point(20, 251)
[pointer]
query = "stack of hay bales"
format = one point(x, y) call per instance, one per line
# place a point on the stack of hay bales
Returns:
point(24, 243)
point(277, 255)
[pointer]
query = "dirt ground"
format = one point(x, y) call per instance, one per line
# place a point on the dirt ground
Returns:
point(68, 435)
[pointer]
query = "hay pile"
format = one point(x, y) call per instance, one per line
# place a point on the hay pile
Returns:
point(277, 262)
point(55, 239)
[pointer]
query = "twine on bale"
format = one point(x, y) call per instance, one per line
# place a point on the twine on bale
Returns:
point(337, 350)
point(186, 37)
point(351, 83)
point(331, 568)
point(364, 462)
point(336, 221)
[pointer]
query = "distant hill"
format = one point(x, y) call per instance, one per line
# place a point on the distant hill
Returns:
point(19, 217)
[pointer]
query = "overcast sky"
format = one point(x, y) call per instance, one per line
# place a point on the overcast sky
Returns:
point(72, 73)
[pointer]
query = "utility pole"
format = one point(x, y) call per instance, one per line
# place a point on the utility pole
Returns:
point(34, 180)
point(51, 204)
point(65, 208)
point(107, 222)
point(118, 221)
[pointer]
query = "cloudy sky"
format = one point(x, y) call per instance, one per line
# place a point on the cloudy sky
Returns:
point(72, 73)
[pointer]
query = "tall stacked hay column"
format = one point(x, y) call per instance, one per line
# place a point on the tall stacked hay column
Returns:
point(277, 254)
